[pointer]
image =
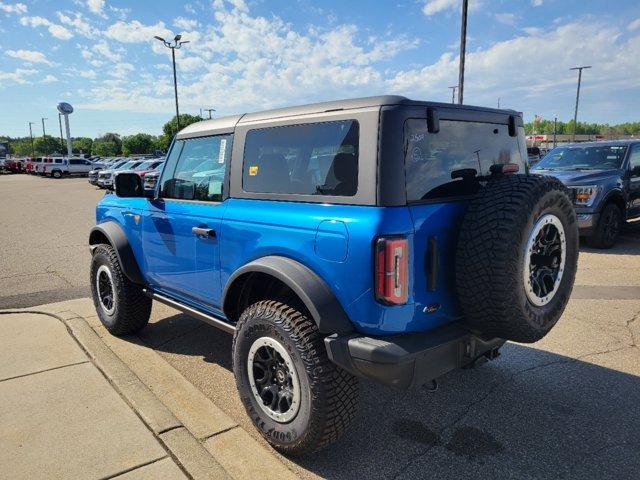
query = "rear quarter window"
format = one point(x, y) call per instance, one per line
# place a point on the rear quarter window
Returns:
point(445, 164)
point(309, 159)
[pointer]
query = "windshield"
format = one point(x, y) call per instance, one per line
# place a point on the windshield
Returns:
point(601, 157)
point(125, 166)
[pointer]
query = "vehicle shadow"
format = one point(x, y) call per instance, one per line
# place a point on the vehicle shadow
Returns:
point(628, 243)
point(529, 414)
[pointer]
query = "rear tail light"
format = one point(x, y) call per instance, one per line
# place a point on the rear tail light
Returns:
point(392, 264)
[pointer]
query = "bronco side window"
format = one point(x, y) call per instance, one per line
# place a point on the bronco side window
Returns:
point(445, 164)
point(195, 169)
point(309, 159)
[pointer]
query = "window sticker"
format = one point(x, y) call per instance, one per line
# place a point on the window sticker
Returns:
point(223, 150)
point(253, 170)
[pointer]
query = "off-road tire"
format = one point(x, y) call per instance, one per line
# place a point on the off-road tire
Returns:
point(132, 308)
point(491, 251)
point(329, 394)
point(602, 237)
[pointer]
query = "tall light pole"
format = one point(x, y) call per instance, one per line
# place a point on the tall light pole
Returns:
point(176, 44)
point(210, 110)
point(44, 136)
point(575, 114)
point(555, 131)
point(453, 93)
point(31, 135)
point(60, 122)
point(463, 47)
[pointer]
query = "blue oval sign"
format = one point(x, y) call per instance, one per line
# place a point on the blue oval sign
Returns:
point(64, 107)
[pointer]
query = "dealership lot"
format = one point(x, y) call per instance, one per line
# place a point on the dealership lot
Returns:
point(565, 407)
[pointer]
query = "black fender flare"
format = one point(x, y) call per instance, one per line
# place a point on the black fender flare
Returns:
point(324, 307)
point(115, 236)
point(617, 196)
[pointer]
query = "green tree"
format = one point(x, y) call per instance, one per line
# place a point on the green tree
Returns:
point(138, 144)
point(81, 144)
point(48, 146)
point(104, 148)
point(20, 147)
point(110, 138)
point(169, 129)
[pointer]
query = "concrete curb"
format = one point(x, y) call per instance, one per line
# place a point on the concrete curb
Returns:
point(204, 440)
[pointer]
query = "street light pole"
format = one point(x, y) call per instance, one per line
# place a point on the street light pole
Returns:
point(177, 44)
point(60, 122)
point(575, 114)
point(453, 93)
point(555, 131)
point(463, 47)
point(44, 136)
point(31, 135)
point(210, 110)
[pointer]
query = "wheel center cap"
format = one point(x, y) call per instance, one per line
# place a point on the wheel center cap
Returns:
point(280, 376)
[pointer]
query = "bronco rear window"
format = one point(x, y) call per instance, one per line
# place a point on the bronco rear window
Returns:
point(445, 164)
point(309, 159)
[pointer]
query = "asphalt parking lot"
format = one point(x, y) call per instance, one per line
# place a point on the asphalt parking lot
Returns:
point(565, 407)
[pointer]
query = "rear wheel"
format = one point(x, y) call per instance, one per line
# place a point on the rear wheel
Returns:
point(121, 305)
point(517, 257)
point(56, 174)
point(608, 228)
point(296, 398)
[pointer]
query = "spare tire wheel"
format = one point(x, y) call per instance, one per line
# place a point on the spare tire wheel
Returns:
point(517, 256)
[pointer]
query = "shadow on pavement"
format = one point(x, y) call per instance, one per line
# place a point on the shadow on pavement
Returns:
point(529, 414)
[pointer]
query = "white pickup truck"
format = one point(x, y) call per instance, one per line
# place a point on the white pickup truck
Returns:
point(70, 166)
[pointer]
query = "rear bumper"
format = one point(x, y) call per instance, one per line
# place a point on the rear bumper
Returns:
point(411, 359)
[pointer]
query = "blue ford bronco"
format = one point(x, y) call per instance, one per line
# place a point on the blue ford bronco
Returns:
point(382, 238)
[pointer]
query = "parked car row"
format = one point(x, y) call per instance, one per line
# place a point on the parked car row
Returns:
point(104, 175)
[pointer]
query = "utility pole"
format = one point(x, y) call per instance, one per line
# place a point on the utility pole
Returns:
point(44, 136)
point(31, 135)
point(210, 110)
point(575, 114)
point(60, 122)
point(463, 47)
point(177, 44)
point(453, 93)
point(498, 102)
point(555, 131)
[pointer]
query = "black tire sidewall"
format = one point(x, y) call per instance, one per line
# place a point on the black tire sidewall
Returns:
point(261, 324)
point(601, 242)
point(545, 316)
point(100, 258)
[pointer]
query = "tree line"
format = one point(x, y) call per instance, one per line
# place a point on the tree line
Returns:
point(545, 127)
point(107, 145)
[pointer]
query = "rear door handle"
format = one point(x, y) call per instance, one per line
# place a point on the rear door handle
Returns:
point(204, 232)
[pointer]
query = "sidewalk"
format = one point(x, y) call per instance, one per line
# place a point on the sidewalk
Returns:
point(60, 417)
point(80, 403)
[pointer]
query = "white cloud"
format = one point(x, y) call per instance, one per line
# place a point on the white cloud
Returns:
point(507, 18)
point(95, 6)
point(30, 56)
point(78, 23)
point(537, 3)
point(431, 7)
point(635, 25)
point(57, 31)
point(13, 8)
point(49, 79)
point(136, 32)
point(121, 70)
point(19, 76)
point(185, 23)
point(103, 49)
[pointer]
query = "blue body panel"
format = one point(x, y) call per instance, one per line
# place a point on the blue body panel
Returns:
point(335, 241)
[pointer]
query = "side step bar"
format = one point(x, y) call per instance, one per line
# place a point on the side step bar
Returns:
point(192, 312)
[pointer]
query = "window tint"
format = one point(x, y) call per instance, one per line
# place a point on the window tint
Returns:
point(195, 169)
point(75, 162)
point(445, 164)
point(311, 159)
point(634, 156)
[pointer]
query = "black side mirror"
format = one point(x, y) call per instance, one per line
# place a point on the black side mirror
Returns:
point(513, 130)
point(129, 185)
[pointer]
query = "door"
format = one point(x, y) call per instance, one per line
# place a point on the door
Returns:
point(181, 227)
point(633, 208)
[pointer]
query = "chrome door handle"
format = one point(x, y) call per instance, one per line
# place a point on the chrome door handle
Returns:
point(204, 232)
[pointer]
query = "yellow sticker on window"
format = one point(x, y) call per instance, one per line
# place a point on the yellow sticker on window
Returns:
point(253, 170)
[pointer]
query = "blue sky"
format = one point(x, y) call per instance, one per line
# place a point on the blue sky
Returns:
point(248, 55)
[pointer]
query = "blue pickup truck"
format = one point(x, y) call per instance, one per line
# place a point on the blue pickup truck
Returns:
point(382, 238)
point(604, 181)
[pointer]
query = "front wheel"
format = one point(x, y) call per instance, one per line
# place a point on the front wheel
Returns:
point(121, 305)
point(608, 228)
point(297, 399)
point(56, 174)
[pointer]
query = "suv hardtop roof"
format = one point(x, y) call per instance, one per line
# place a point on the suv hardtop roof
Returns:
point(603, 143)
point(228, 123)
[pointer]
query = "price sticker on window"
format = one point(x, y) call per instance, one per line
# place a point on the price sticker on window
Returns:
point(223, 150)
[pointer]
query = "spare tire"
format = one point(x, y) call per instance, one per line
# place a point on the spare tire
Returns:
point(516, 257)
